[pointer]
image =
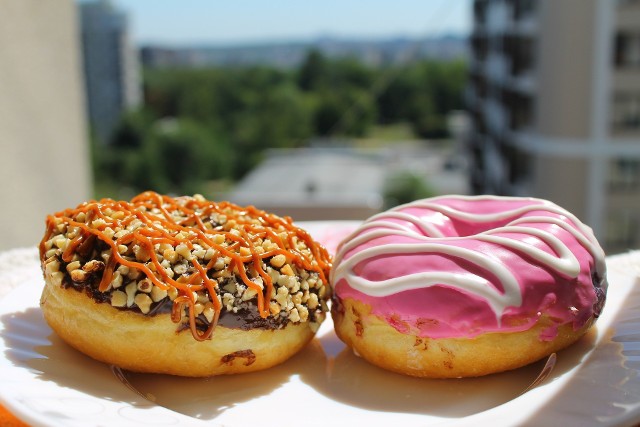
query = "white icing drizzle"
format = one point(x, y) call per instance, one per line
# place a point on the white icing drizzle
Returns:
point(432, 241)
point(470, 282)
point(421, 225)
point(567, 263)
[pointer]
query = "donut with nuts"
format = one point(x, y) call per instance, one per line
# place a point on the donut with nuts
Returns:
point(183, 285)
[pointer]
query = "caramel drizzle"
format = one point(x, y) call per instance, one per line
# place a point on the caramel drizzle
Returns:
point(185, 215)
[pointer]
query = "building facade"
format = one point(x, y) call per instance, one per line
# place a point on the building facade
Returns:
point(554, 98)
point(111, 66)
point(44, 166)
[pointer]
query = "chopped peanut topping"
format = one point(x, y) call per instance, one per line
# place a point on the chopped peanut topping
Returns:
point(204, 256)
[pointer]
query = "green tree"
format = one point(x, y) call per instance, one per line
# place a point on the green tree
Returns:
point(131, 129)
point(441, 88)
point(396, 96)
point(349, 112)
point(404, 187)
point(279, 117)
point(351, 73)
point(215, 123)
point(179, 155)
point(423, 93)
point(313, 73)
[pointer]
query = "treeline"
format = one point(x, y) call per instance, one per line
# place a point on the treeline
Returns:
point(199, 125)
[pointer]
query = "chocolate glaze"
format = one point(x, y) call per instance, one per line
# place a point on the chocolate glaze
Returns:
point(164, 306)
point(245, 318)
point(336, 304)
point(600, 286)
point(89, 286)
point(248, 318)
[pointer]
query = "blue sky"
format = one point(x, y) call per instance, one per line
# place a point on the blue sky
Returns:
point(238, 21)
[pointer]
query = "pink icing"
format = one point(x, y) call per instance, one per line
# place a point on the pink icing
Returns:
point(459, 266)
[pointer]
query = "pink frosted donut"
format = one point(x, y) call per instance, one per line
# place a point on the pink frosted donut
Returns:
point(460, 286)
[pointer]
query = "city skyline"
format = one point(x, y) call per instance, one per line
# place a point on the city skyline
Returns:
point(172, 23)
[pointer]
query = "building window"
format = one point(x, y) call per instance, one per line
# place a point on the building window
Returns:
point(624, 175)
point(480, 45)
point(480, 11)
point(625, 112)
point(520, 52)
point(519, 163)
point(623, 3)
point(520, 107)
point(479, 121)
point(626, 50)
point(479, 82)
point(522, 8)
point(622, 230)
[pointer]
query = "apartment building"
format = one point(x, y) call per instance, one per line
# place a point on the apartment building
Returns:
point(111, 65)
point(554, 98)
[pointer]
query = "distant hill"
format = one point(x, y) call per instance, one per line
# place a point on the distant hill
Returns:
point(374, 52)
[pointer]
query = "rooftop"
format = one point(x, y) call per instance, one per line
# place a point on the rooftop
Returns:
point(315, 183)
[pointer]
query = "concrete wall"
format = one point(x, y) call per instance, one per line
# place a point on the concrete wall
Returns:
point(563, 180)
point(44, 165)
point(565, 62)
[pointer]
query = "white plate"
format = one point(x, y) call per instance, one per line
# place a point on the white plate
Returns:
point(45, 382)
